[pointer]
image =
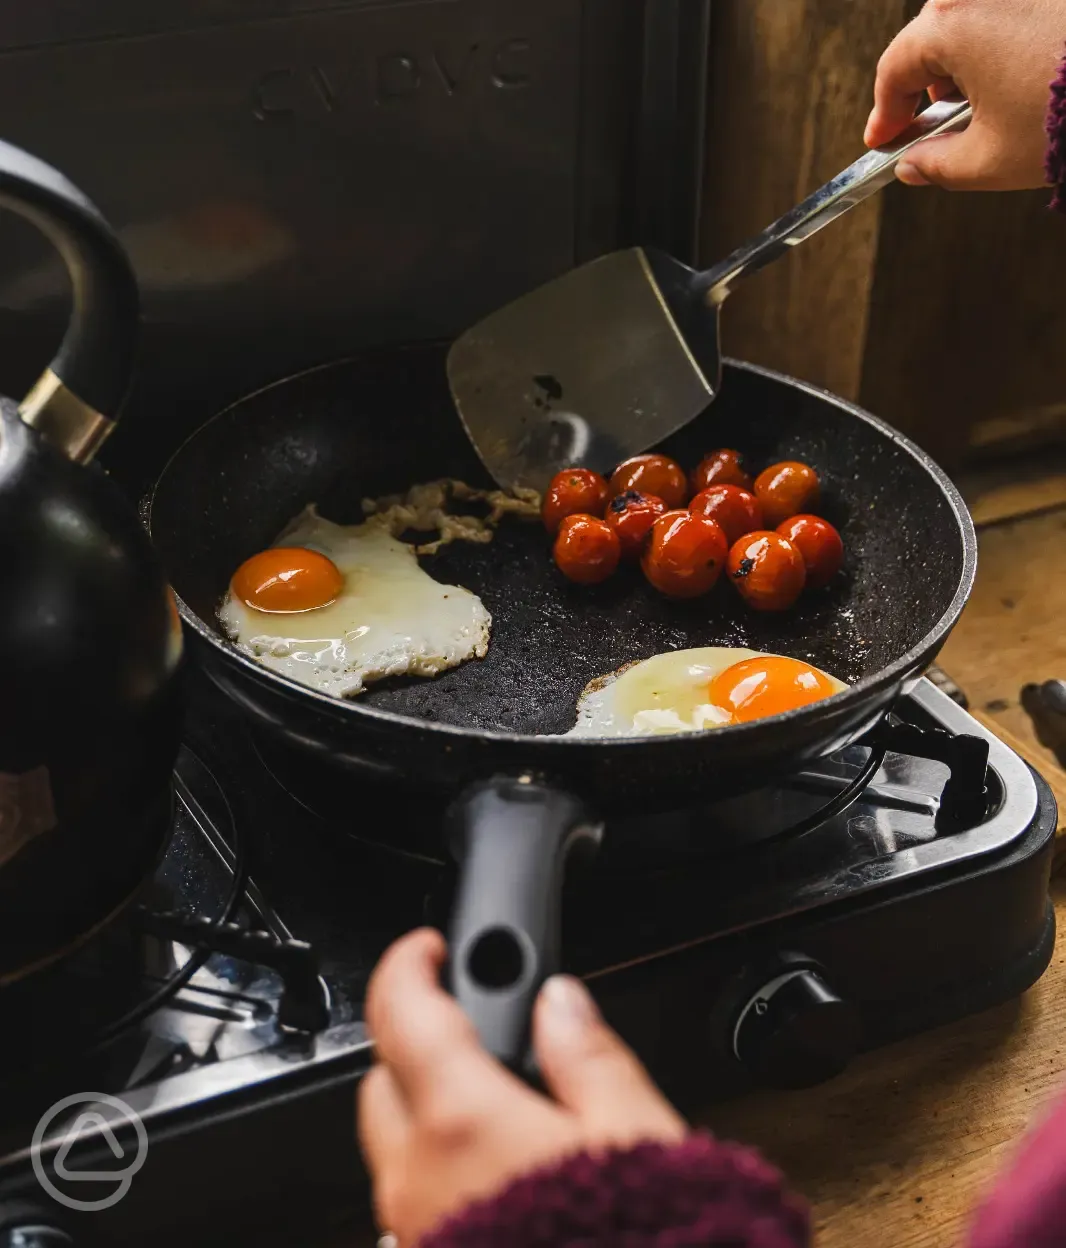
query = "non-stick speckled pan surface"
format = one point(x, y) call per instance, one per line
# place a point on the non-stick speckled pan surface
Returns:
point(385, 421)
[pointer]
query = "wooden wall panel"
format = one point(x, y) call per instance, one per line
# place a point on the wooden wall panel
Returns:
point(966, 341)
point(946, 314)
point(791, 89)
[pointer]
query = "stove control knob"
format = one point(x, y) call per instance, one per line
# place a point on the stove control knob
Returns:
point(795, 1031)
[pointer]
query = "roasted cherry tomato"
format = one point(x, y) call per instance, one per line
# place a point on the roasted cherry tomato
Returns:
point(767, 570)
point(737, 511)
point(651, 474)
point(819, 544)
point(631, 515)
point(723, 467)
point(586, 550)
point(577, 490)
point(685, 554)
point(785, 490)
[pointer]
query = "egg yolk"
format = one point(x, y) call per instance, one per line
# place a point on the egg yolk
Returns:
point(287, 578)
point(755, 688)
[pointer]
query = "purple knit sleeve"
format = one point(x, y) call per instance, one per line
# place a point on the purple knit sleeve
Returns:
point(1055, 161)
point(701, 1193)
point(1027, 1207)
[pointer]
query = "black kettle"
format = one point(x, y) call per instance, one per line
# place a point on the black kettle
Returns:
point(90, 640)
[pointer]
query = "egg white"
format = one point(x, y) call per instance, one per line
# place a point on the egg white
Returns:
point(391, 618)
point(661, 695)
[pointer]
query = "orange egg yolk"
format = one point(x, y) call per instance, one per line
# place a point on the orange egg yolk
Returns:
point(287, 578)
point(755, 688)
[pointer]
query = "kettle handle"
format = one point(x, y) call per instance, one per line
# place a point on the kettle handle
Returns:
point(76, 400)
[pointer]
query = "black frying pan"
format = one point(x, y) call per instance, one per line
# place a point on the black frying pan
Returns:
point(382, 422)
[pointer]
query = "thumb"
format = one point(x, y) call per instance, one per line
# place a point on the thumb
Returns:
point(591, 1072)
point(956, 162)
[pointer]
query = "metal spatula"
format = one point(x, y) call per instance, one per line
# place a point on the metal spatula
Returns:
point(616, 355)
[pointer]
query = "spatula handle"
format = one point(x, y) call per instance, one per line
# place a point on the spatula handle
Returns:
point(858, 182)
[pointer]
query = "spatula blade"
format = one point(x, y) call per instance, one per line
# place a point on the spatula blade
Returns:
point(588, 369)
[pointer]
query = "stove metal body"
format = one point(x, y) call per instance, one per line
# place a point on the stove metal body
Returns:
point(297, 179)
point(704, 960)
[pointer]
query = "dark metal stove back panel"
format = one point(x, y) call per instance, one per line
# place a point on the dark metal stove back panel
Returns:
point(296, 180)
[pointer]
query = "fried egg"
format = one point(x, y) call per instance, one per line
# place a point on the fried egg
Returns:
point(337, 606)
point(698, 689)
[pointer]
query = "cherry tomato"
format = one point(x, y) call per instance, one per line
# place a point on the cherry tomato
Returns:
point(723, 467)
point(767, 570)
point(652, 474)
point(685, 554)
point(631, 516)
point(737, 511)
point(819, 544)
point(572, 491)
point(785, 490)
point(586, 549)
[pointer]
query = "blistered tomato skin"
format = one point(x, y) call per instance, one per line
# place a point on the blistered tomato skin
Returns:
point(737, 511)
point(767, 570)
point(685, 554)
point(651, 474)
point(819, 544)
point(631, 516)
point(572, 492)
point(724, 467)
point(586, 549)
point(785, 490)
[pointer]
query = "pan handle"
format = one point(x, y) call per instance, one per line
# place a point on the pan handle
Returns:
point(512, 837)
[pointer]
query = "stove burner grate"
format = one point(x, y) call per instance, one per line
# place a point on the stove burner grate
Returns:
point(92, 990)
point(411, 829)
point(144, 919)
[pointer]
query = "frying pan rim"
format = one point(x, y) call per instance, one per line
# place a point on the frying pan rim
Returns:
point(894, 673)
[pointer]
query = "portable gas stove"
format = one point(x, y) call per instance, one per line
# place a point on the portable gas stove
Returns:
point(736, 958)
point(395, 171)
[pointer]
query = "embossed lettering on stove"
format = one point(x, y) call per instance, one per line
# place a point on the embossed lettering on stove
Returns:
point(392, 77)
